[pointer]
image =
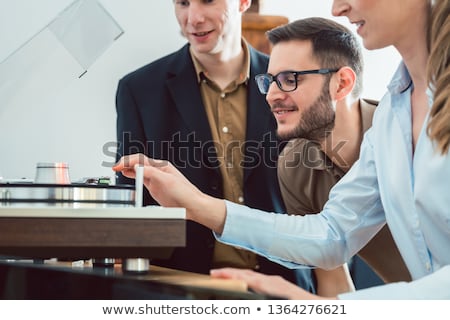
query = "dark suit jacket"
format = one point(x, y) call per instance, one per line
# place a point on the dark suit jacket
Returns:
point(160, 113)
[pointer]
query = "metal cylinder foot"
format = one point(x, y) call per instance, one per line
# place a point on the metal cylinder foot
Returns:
point(135, 265)
point(103, 262)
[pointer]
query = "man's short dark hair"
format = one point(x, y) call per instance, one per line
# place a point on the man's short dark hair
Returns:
point(333, 44)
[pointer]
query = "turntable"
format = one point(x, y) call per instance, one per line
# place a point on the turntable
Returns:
point(90, 219)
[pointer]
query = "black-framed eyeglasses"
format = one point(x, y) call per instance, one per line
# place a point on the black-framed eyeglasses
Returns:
point(285, 80)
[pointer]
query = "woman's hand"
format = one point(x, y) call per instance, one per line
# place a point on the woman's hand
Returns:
point(164, 182)
point(171, 189)
point(275, 286)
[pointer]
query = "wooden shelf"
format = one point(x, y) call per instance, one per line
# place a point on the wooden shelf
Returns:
point(255, 26)
point(71, 233)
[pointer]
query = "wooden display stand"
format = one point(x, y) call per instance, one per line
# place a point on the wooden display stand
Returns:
point(255, 26)
point(76, 233)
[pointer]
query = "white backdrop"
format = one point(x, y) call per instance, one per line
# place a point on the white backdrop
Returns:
point(76, 121)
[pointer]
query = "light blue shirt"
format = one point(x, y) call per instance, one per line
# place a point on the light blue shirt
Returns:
point(387, 184)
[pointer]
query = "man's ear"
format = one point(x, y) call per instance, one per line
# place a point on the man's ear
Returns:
point(244, 5)
point(343, 84)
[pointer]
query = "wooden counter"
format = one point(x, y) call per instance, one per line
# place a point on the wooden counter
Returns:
point(161, 275)
point(62, 280)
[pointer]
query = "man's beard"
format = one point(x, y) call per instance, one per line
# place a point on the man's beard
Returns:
point(317, 122)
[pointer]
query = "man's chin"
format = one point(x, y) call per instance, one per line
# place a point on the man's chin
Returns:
point(286, 135)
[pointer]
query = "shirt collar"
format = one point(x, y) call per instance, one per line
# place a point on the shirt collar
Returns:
point(400, 81)
point(244, 76)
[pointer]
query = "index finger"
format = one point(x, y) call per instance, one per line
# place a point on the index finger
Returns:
point(129, 161)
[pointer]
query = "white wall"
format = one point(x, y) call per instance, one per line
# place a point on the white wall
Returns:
point(76, 121)
point(379, 64)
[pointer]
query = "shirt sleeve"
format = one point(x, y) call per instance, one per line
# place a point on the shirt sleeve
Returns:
point(351, 217)
point(435, 286)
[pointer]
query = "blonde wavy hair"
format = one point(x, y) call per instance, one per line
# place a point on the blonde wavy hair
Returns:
point(439, 75)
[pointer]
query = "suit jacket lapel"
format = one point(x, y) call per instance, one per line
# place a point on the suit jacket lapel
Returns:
point(367, 110)
point(259, 118)
point(186, 96)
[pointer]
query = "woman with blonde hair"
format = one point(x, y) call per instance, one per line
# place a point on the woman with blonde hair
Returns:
point(402, 176)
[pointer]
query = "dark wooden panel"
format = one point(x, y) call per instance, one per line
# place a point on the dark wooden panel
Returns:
point(254, 27)
point(71, 237)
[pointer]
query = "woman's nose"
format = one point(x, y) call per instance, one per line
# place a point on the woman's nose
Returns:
point(340, 8)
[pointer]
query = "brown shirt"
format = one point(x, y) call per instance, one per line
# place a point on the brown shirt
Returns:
point(306, 176)
point(227, 115)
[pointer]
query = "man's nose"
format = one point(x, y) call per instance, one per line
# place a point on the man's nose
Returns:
point(274, 93)
point(195, 14)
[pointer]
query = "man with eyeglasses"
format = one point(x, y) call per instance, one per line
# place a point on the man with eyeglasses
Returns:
point(313, 85)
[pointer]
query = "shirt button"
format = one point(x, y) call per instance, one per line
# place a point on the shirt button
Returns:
point(225, 129)
point(428, 266)
point(222, 95)
point(241, 199)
